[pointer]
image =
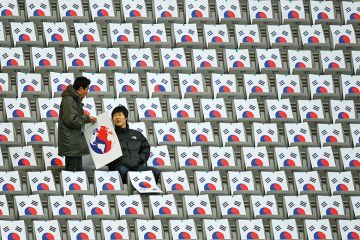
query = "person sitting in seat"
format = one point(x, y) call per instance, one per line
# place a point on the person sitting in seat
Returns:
point(135, 147)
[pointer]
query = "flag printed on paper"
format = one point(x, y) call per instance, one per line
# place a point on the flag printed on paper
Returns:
point(121, 32)
point(159, 156)
point(6, 132)
point(350, 157)
point(74, 181)
point(288, 157)
point(197, 205)
point(140, 58)
point(307, 181)
point(166, 9)
point(342, 34)
point(284, 229)
point(189, 156)
point(38, 9)
point(287, 84)
point(223, 83)
point(77, 57)
point(232, 205)
point(51, 157)
point(322, 10)
point(200, 132)
point(279, 109)
point(98, 82)
point(12, 57)
point(97, 205)
point(216, 33)
point(4, 208)
point(183, 229)
point(349, 229)
point(22, 156)
point(60, 81)
point(221, 157)
point(107, 181)
point(259, 10)
point(101, 9)
point(159, 83)
point(299, 60)
point(191, 83)
point(126, 82)
point(115, 229)
point(246, 108)
point(149, 108)
point(13, 229)
point(149, 229)
point(110, 103)
point(237, 58)
point(10, 181)
point(350, 83)
point(332, 59)
point(292, 10)
point(247, 34)
point(35, 132)
point(173, 57)
point(213, 108)
point(49, 108)
point(330, 205)
point(342, 109)
point(256, 157)
point(298, 205)
point(176, 181)
point(351, 11)
point(186, 33)
point(129, 205)
point(83, 229)
point(208, 181)
point(70, 8)
point(204, 58)
point(310, 109)
point(154, 33)
point(47, 229)
point(163, 205)
point(4, 82)
point(28, 82)
point(279, 34)
point(8, 8)
point(269, 58)
point(321, 157)
point(312, 34)
point(274, 181)
point(63, 205)
point(133, 9)
point(251, 229)
point(340, 182)
point(264, 205)
point(232, 133)
point(196, 9)
point(44, 57)
point(181, 109)
point(243, 181)
point(258, 83)
point(108, 57)
point(87, 32)
point(321, 84)
point(55, 32)
point(41, 181)
point(23, 32)
point(265, 133)
point(298, 133)
point(144, 182)
point(217, 229)
point(330, 133)
point(29, 205)
point(228, 10)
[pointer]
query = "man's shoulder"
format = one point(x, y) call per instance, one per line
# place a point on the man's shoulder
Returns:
point(135, 134)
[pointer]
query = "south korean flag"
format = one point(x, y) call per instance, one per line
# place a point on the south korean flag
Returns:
point(35, 8)
point(246, 108)
point(98, 81)
point(23, 32)
point(110, 103)
point(247, 34)
point(342, 109)
point(164, 205)
point(12, 57)
point(63, 205)
point(292, 10)
point(28, 82)
point(47, 229)
point(4, 208)
point(22, 157)
point(232, 133)
point(129, 205)
point(298, 133)
point(6, 132)
point(322, 10)
point(144, 182)
point(200, 132)
point(208, 181)
point(228, 9)
point(350, 83)
point(158, 83)
point(274, 181)
point(213, 108)
point(4, 82)
point(115, 229)
point(204, 58)
point(8, 8)
point(189, 156)
point(133, 9)
point(251, 229)
point(258, 83)
point(191, 83)
point(355, 133)
point(126, 82)
point(349, 228)
point(268, 58)
point(96, 205)
point(299, 59)
point(287, 84)
point(181, 109)
point(140, 127)
point(333, 59)
point(52, 158)
point(44, 57)
point(284, 229)
point(221, 157)
point(355, 205)
point(175, 181)
point(317, 229)
point(237, 58)
point(186, 33)
point(83, 229)
point(217, 229)
point(342, 34)
point(260, 10)
point(59, 82)
point(74, 181)
point(173, 57)
point(29, 205)
point(121, 32)
point(320, 84)
point(330, 133)
point(107, 181)
point(279, 109)
point(232, 206)
point(196, 9)
point(76, 57)
point(351, 11)
point(70, 8)
point(307, 182)
point(350, 157)
point(13, 229)
point(10, 182)
point(216, 33)
point(35, 133)
point(148, 108)
point(330, 205)
point(89, 106)
point(101, 8)
point(149, 229)
point(55, 32)
point(265, 133)
point(264, 205)
point(341, 182)
point(223, 83)
point(198, 205)
point(42, 181)
point(108, 57)
point(183, 229)
point(241, 181)
point(166, 9)
point(310, 109)
point(49, 108)
point(298, 206)
point(87, 32)
point(321, 157)
point(288, 157)
point(141, 57)
point(312, 34)
point(278, 34)
point(356, 63)
point(159, 157)
point(154, 33)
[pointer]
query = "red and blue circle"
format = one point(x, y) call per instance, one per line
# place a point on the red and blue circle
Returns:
point(77, 63)
point(289, 163)
point(168, 138)
point(280, 40)
point(24, 37)
point(158, 162)
point(88, 38)
point(265, 211)
point(354, 90)
point(333, 65)
point(109, 63)
point(116, 235)
point(342, 187)
point(127, 88)
point(242, 187)
point(122, 38)
point(12, 62)
point(332, 139)
point(261, 15)
point(224, 89)
point(299, 211)
point(222, 163)
point(205, 64)
point(30, 211)
point(155, 39)
point(39, 12)
point(196, 13)
point(218, 235)
point(64, 211)
point(3, 138)
point(28, 88)
point(353, 235)
point(252, 235)
point(36, 138)
point(144, 185)
point(288, 90)
point(233, 211)
point(48, 236)
point(256, 89)
point(355, 16)
point(13, 236)
point(108, 186)
point(344, 39)
point(6, 12)
point(130, 211)
point(150, 113)
point(52, 113)
point(321, 89)
point(82, 236)
point(102, 13)
point(149, 235)
point(229, 14)
point(56, 162)
point(182, 114)
point(265, 138)
point(248, 39)
point(299, 138)
point(238, 64)
point(184, 235)
point(270, 64)
point(323, 15)
point(135, 13)
point(354, 163)
point(18, 114)
point(247, 114)
point(166, 14)
point(56, 37)
point(61, 87)
point(159, 88)
point(257, 162)
point(214, 114)
point(8, 187)
point(23, 162)
point(343, 115)
point(313, 39)
point(164, 211)
point(293, 14)
point(331, 211)
point(311, 115)
point(209, 186)
point(174, 63)
point(44, 62)
point(198, 211)
point(42, 186)
point(319, 235)
point(285, 235)
point(141, 63)
point(74, 186)
point(186, 38)
point(190, 162)
point(300, 65)
point(201, 138)
point(216, 39)
point(177, 187)
point(191, 88)
point(94, 88)
point(275, 187)
point(280, 114)
point(308, 187)
point(71, 13)
point(233, 138)
point(97, 211)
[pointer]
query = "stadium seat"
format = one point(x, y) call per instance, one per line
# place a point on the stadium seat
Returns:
point(231, 207)
point(45, 60)
point(88, 35)
point(160, 158)
point(280, 36)
point(331, 207)
point(355, 134)
point(324, 13)
point(257, 86)
point(11, 183)
point(309, 183)
point(29, 208)
point(247, 111)
point(96, 207)
point(248, 36)
point(164, 207)
point(343, 37)
point(141, 60)
point(23, 158)
point(322, 158)
point(200, 134)
point(80, 229)
point(135, 12)
point(47, 228)
point(279, 111)
point(230, 13)
point(168, 134)
point(198, 12)
point(299, 134)
point(301, 62)
point(205, 61)
point(99, 86)
point(182, 110)
point(312, 111)
point(190, 158)
point(8, 135)
point(234, 134)
point(349, 86)
point(176, 183)
point(180, 228)
point(13, 60)
point(256, 158)
point(42, 183)
point(193, 86)
point(261, 13)
point(348, 228)
point(148, 228)
point(186, 36)
point(40, 12)
point(128, 85)
point(242, 183)
point(197, 207)
point(173, 60)
point(122, 35)
point(223, 158)
point(298, 207)
point(149, 109)
point(217, 36)
point(264, 207)
point(322, 86)
point(343, 111)
point(251, 228)
point(71, 11)
point(56, 35)
point(217, 227)
point(154, 36)
point(289, 158)
point(269, 61)
point(238, 62)
point(290, 86)
point(332, 135)
point(59, 81)
point(103, 11)
point(350, 158)
point(14, 228)
point(350, 12)
point(333, 62)
point(109, 183)
point(7, 90)
point(130, 207)
point(214, 110)
point(75, 183)
point(281, 228)
point(51, 158)
point(266, 134)
point(109, 60)
point(25, 35)
point(78, 60)
point(315, 228)
point(11, 11)
point(225, 86)
point(30, 85)
point(63, 208)
point(312, 37)
point(115, 229)
point(161, 85)
point(293, 12)
point(275, 183)
point(167, 12)
point(341, 183)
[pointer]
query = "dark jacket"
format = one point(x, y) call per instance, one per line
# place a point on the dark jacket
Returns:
point(134, 146)
point(72, 119)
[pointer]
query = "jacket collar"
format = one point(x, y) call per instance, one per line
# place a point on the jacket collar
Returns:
point(70, 91)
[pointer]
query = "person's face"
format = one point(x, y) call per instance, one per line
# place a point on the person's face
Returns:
point(83, 91)
point(120, 120)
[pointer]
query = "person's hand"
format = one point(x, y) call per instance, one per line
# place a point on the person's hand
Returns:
point(93, 119)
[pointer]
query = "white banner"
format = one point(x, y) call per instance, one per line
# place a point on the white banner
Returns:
point(102, 141)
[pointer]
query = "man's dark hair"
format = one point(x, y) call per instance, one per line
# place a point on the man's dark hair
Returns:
point(81, 82)
point(119, 109)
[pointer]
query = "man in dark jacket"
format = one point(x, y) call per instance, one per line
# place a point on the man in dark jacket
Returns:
point(72, 119)
point(134, 146)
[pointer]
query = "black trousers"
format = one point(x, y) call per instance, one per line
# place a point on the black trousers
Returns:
point(124, 170)
point(73, 163)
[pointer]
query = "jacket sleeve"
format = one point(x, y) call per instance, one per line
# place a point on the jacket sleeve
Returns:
point(144, 151)
point(86, 118)
point(71, 117)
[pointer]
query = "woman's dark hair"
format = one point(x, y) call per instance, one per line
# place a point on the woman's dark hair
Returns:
point(81, 82)
point(119, 109)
